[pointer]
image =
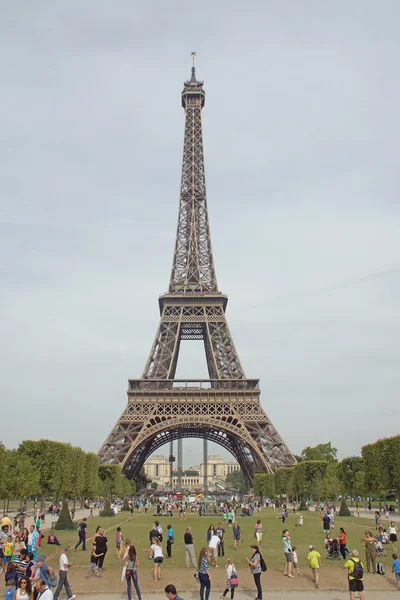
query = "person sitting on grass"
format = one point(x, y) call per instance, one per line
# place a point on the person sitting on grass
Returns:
point(53, 539)
point(314, 561)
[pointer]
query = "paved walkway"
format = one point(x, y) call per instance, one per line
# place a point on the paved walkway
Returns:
point(247, 595)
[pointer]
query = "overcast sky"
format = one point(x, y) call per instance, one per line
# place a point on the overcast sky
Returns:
point(301, 132)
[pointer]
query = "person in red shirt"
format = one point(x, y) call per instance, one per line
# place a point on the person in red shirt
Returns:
point(342, 542)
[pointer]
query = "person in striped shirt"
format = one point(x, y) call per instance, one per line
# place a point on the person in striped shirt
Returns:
point(203, 571)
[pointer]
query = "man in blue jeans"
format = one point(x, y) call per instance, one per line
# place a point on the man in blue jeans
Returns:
point(82, 530)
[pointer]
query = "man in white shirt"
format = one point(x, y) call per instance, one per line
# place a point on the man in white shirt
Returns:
point(44, 592)
point(213, 548)
point(63, 576)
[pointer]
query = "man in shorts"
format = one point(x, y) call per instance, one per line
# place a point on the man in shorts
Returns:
point(355, 572)
point(314, 561)
point(213, 549)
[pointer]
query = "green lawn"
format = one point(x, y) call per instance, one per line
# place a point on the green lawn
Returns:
point(138, 531)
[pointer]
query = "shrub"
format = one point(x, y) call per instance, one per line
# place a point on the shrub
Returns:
point(64, 520)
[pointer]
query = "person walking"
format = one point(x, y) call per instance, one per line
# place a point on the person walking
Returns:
point(170, 540)
point(393, 530)
point(231, 579)
point(258, 532)
point(82, 533)
point(132, 563)
point(314, 562)
point(255, 569)
point(63, 575)
point(220, 531)
point(236, 532)
point(342, 542)
point(287, 549)
point(355, 574)
point(203, 570)
point(189, 549)
point(156, 549)
point(396, 569)
point(368, 541)
point(326, 521)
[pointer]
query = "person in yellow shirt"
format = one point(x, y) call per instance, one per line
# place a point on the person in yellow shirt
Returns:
point(355, 573)
point(314, 561)
point(8, 548)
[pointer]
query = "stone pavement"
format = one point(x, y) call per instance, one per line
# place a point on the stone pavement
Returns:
point(247, 595)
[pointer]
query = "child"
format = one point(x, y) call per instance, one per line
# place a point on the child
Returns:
point(93, 568)
point(125, 548)
point(396, 569)
point(118, 540)
point(10, 589)
point(314, 561)
point(295, 561)
point(8, 548)
point(52, 539)
point(231, 577)
point(300, 521)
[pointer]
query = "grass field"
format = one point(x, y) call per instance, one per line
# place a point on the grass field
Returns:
point(138, 529)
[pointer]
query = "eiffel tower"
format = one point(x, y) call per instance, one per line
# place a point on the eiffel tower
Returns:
point(226, 407)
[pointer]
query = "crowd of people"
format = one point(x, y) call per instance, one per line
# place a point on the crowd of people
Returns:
point(28, 577)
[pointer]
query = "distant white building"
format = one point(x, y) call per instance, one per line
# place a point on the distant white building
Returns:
point(157, 469)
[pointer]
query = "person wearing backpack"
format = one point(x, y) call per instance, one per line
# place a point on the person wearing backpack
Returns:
point(355, 574)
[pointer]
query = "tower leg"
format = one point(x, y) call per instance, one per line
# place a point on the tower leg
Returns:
point(180, 469)
point(205, 464)
point(171, 464)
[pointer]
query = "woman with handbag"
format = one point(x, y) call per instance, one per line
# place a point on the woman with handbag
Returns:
point(255, 569)
point(131, 563)
point(232, 579)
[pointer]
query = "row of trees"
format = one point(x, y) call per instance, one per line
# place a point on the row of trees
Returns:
point(320, 476)
point(46, 468)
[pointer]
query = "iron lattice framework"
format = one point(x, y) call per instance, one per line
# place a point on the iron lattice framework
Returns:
point(224, 408)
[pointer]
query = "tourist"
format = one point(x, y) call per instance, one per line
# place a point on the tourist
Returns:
point(8, 548)
point(44, 592)
point(30, 567)
point(287, 549)
point(171, 593)
point(3, 540)
point(189, 548)
point(101, 546)
point(255, 569)
point(93, 566)
point(213, 549)
point(32, 544)
point(231, 579)
point(326, 521)
point(170, 540)
point(396, 569)
point(82, 533)
point(63, 575)
point(355, 573)
point(125, 548)
point(53, 539)
point(220, 531)
point(258, 532)
point(11, 587)
point(314, 562)
point(11, 574)
point(203, 570)
point(342, 542)
point(24, 536)
point(370, 554)
point(210, 533)
point(236, 532)
point(300, 521)
point(225, 516)
point(24, 589)
point(377, 519)
point(43, 571)
point(295, 561)
point(118, 540)
point(393, 530)
point(158, 557)
point(230, 517)
point(131, 564)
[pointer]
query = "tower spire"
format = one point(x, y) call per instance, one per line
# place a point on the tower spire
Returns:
point(193, 78)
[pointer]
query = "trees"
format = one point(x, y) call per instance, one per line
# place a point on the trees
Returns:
point(323, 452)
point(236, 481)
point(264, 485)
point(351, 475)
point(284, 481)
point(382, 468)
point(307, 478)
